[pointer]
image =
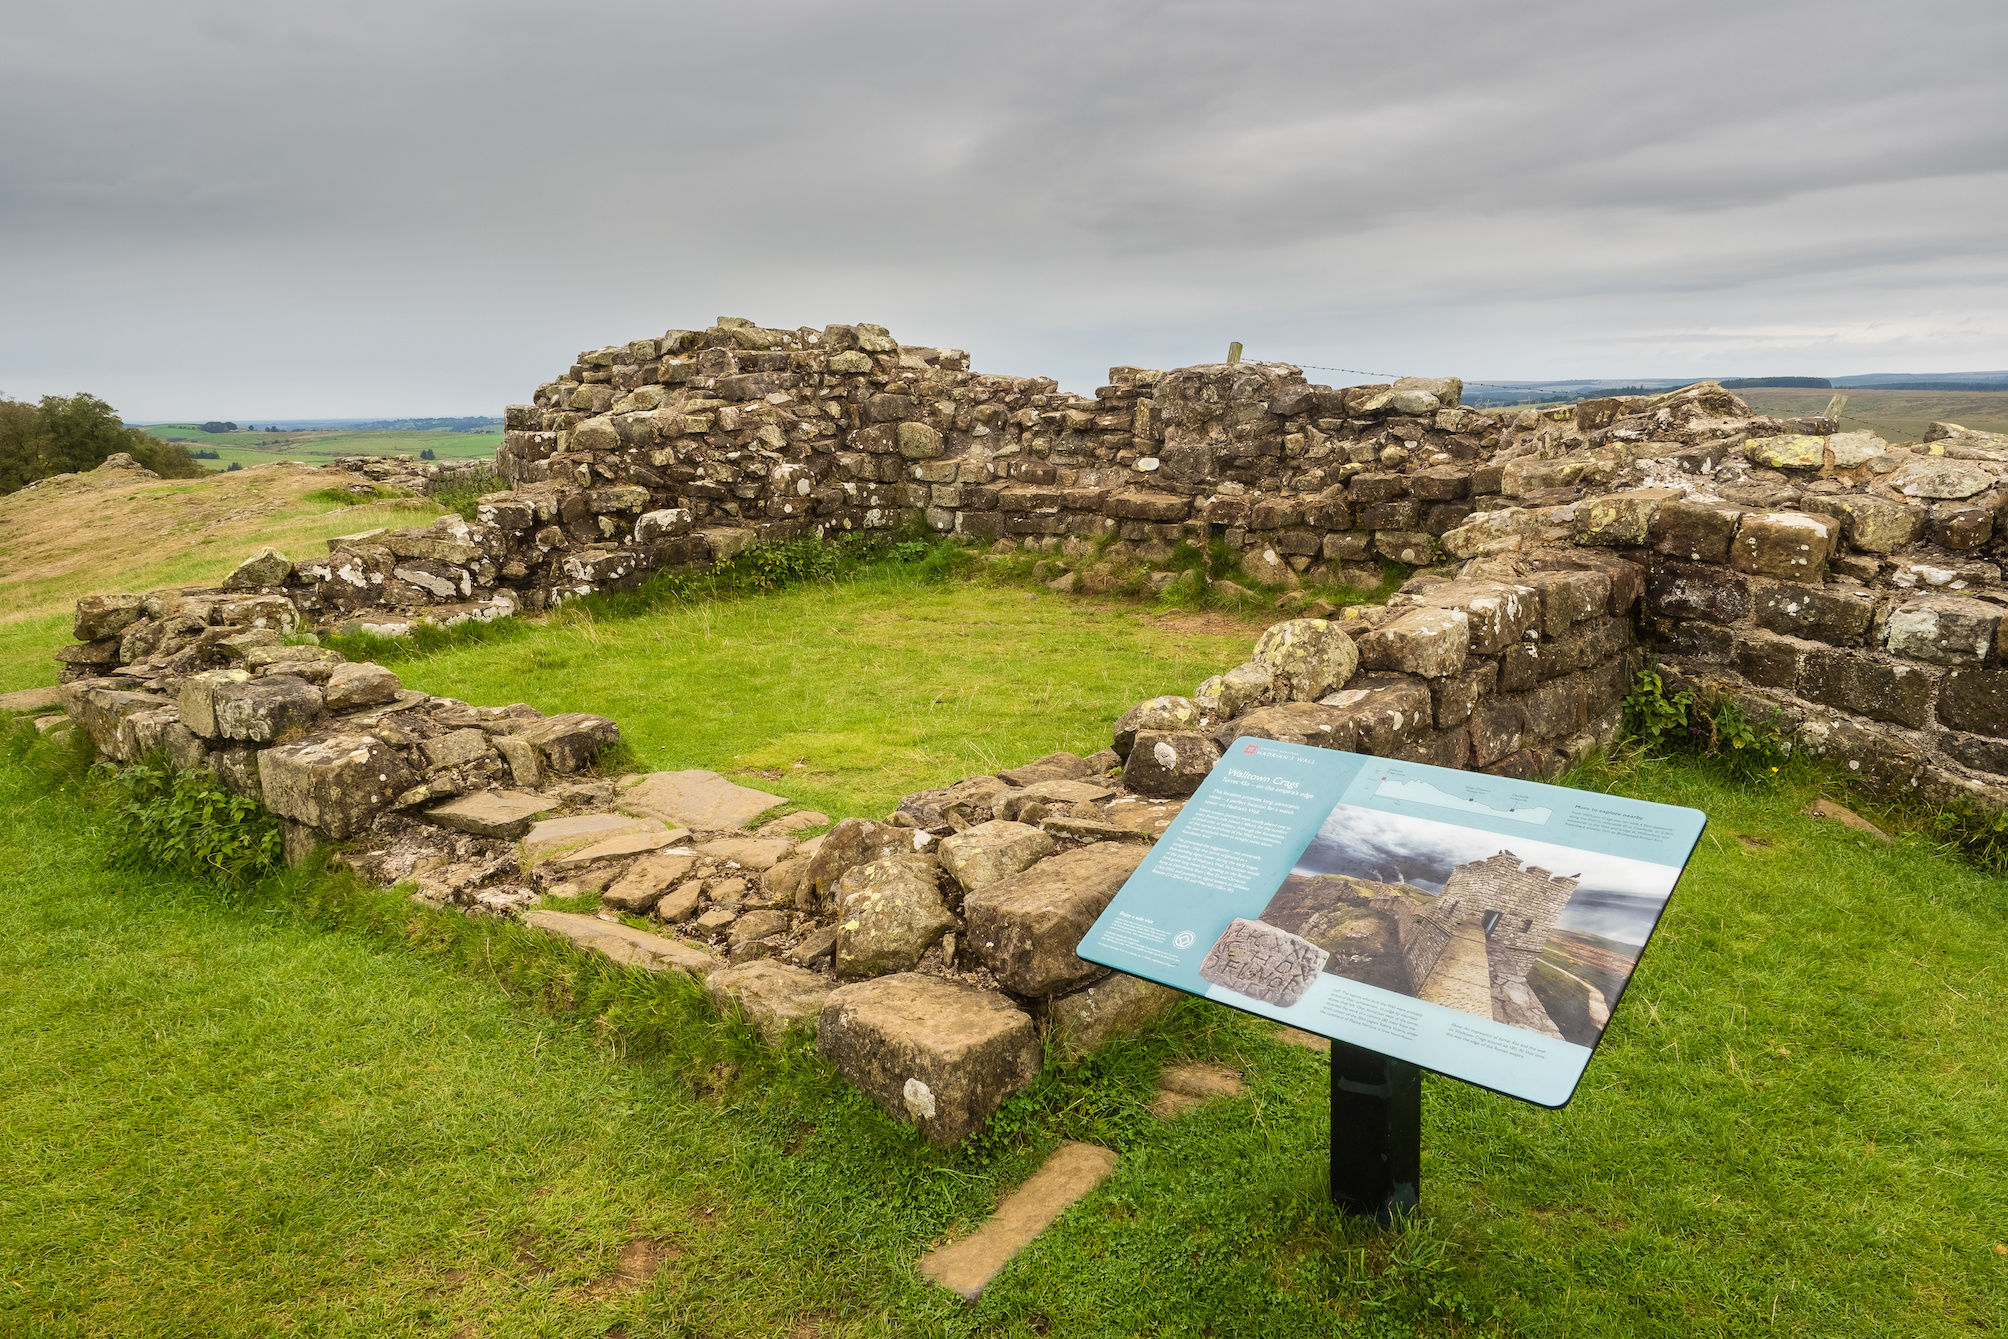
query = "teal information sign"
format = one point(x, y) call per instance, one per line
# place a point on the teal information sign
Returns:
point(1474, 925)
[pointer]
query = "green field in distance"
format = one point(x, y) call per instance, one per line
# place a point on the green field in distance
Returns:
point(248, 448)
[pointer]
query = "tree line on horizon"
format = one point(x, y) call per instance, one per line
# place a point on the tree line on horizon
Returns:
point(68, 434)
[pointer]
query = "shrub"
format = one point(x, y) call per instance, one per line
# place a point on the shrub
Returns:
point(1719, 729)
point(185, 823)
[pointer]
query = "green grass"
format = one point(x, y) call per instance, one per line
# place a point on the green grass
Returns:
point(330, 1113)
point(845, 695)
point(1898, 416)
point(249, 448)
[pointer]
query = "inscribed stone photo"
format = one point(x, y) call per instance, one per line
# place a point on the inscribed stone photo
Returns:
point(1263, 962)
point(1526, 933)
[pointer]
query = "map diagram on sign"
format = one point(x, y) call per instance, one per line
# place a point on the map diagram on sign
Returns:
point(1421, 792)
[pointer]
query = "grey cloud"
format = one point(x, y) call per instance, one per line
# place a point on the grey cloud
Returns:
point(427, 207)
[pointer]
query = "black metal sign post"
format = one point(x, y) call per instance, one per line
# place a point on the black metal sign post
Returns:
point(1376, 1133)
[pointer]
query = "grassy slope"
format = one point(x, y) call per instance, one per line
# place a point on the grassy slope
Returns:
point(228, 1122)
point(1899, 416)
point(94, 533)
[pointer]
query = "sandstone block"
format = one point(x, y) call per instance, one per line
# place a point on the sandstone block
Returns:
point(1159, 713)
point(1416, 548)
point(989, 852)
point(456, 748)
point(555, 836)
point(1942, 630)
point(1053, 767)
point(1939, 477)
point(917, 441)
point(851, 843)
point(351, 687)
point(770, 997)
point(1692, 531)
point(1429, 642)
point(697, 799)
point(1620, 520)
point(617, 846)
point(101, 616)
point(197, 699)
point(962, 805)
point(1140, 504)
point(264, 710)
point(525, 768)
point(1030, 804)
point(1873, 524)
point(645, 882)
point(939, 1056)
point(1025, 928)
point(758, 924)
point(1229, 694)
point(339, 784)
point(1975, 700)
point(1567, 598)
point(1882, 690)
point(493, 813)
point(1307, 658)
point(1787, 545)
point(1116, 1006)
point(754, 853)
point(1837, 615)
point(266, 567)
point(1169, 763)
point(889, 913)
point(625, 945)
point(1501, 615)
point(1794, 452)
point(1679, 591)
point(571, 741)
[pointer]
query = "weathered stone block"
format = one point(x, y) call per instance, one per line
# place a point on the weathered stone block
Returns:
point(1139, 504)
point(1787, 453)
point(1678, 591)
point(351, 687)
point(851, 843)
point(1455, 695)
point(697, 799)
point(1788, 545)
point(101, 616)
point(1116, 1006)
point(1620, 520)
point(1307, 658)
point(1025, 928)
point(1882, 690)
point(991, 852)
point(1975, 700)
point(1939, 477)
point(456, 748)
point(1169, 763)
point(338, 784)
point(1768, 661)
point(1429, 642)
point(571, 741)
point(1692, 531)
point(624, 945)
point(1942, 630)
point(769, 996)
point(935, 1055)
point(493, 813)
point(1159, 713)
point(1501, 615)
point(1567, 598)
point(1416, 548)
point(889, 913)
point(261, 711)
point(1837, 615)
point(197, 699)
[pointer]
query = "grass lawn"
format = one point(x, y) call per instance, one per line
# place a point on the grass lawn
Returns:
point(846, 697)
point(330, 1113)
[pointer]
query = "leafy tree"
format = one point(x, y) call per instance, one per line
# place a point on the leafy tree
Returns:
point(218, 425)
point(67, 434)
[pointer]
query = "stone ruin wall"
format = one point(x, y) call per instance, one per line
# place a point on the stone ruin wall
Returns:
point(1848, 583)
point(1531, 895)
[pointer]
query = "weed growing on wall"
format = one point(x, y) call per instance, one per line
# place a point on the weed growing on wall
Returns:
point(183, 822)
point(1719, 730)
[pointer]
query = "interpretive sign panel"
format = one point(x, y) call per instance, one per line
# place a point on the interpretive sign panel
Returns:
point(1477, 926)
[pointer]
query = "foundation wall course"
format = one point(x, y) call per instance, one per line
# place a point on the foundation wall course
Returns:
point(1850, 585)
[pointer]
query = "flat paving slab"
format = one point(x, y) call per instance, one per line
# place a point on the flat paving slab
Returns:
point(555, 836)
point(624, 944)
point(621, 844)
point(493, 813)
point(697, 799)
point(32, 700)
point(966, 1267)
point(1182, 1087)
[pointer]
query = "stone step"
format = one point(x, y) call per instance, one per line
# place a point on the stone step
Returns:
point(697, 799)
point(625, 945)
point(966, 1267)
point(493, 813)
point(1183, 1087)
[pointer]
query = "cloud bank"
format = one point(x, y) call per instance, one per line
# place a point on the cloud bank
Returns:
point(263, 210)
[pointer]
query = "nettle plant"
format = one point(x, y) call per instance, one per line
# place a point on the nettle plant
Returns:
point(184, 823)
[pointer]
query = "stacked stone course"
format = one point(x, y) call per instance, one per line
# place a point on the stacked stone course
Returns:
point(1844, 582)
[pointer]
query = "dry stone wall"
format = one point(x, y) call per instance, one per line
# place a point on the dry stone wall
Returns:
point(1849, 584)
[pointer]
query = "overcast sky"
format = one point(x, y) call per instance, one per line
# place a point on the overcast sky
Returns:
point(261, 210)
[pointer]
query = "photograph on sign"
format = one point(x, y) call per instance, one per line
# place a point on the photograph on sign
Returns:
point(1479, 926)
